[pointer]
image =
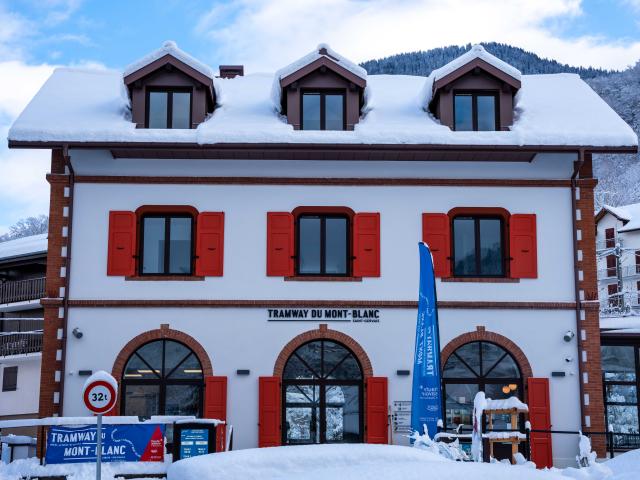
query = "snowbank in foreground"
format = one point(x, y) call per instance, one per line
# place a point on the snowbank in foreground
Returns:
point(625, 466)
point(346, 462)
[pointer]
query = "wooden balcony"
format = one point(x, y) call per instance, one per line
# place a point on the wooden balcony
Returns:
point(22, 290)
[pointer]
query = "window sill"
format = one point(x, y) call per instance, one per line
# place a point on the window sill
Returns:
point(481, 279)
point(325, 278)
point(164, 278)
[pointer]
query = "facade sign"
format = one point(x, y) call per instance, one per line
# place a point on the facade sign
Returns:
point(120, 443)
point(401, 416)
point(194, 442)
point(354, 315)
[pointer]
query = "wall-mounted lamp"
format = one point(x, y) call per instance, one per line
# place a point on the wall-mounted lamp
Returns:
point(568, 336)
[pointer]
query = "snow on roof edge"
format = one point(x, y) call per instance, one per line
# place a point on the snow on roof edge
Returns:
point(20, 247)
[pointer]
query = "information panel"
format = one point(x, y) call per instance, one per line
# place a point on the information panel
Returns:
point(194, 442)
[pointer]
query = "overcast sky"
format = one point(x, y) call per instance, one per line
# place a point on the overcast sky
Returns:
point(37, 35)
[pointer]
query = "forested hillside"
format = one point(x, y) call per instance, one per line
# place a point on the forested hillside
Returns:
point(619, 175)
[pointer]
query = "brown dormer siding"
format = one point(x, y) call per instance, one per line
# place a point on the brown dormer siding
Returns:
point(475, 80)
point(319, 80)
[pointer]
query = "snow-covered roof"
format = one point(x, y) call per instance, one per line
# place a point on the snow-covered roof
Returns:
point(77, 105)
point(629, 214)
point(23, 246)
point(169, 48)
point(477, 51)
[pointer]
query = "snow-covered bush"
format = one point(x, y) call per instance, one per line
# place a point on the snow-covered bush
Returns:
point(586, 457)
point(451, 451)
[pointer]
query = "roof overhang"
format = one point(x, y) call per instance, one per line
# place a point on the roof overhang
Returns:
point(472, 65)
point(319, 63)
point(319, 151)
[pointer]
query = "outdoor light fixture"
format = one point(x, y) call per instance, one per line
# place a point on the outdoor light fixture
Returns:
point(568, 336)
point(506, 389)
point(77, 332)
point(513, 386)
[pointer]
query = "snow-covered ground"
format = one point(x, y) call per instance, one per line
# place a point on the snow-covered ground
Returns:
point(346, 462)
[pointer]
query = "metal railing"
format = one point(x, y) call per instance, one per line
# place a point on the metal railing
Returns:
point(604, 244)
point(22, 290)
point(20, 336)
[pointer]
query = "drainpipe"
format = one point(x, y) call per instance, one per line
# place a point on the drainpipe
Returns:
point(65, 300)
point(576, 276)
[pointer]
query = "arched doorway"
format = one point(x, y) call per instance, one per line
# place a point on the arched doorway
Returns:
point(322, 395)
point(162, 377)
point(473, 367)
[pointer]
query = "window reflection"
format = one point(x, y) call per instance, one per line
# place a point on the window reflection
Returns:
point(322, 245)
point(478, 246)
point(323, 111)
point(475, 111)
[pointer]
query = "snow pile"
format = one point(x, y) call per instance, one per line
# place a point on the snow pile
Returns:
point(80, 471)
point(477, 51)
point(479, 405)
point(586, 457)
point(506, 404)
point(346, 462)
point(169, 48)
point(625, 466)
point(309, 58)
point(450, 451)
point(23, 246)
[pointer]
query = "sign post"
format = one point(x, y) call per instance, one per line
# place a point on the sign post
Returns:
point(100, 393)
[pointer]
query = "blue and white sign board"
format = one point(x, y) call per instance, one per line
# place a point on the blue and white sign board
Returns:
point(194, 442)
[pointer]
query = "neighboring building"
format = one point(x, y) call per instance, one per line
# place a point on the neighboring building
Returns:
point(22, 284)
point(618, 248)
point(245, 247)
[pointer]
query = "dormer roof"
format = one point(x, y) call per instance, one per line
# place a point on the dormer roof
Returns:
point(322, 56)
point(476, 57)
point(168, 53)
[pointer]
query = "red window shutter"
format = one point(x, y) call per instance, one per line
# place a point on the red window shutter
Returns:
point(210, 244)
point(376, 410)
point(279, 244)
point(269, 430)
point(366, 245)
point(215, 406)
point(436, 232)
point(540, 417)
point(523, 245)
point(122, 244)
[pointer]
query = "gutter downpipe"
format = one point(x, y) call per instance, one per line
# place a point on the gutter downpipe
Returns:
point(574, 183)
point(65, 304)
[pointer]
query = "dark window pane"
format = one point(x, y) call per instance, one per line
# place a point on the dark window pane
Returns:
point(152, 354)
point(459, 404)
point(310, 355)
point(153, 247)
point(464, 239)
point(336, 246)
point(142, 400)
point(137, 369)
point(174, 353)
point(309, 241)
point(465, 362)
point(158, 102)
point(311, 111)
point(180, 246)
point(490, 246)
point(470, 354)
point(189, 369)
point(463, 112)
point(181, 110)
point(10, 379)
point(333, 112)
point(618, 363)
point(339, 363)
point(182, 400)
point(295, 369)
point(486, 105)
point(343, 413)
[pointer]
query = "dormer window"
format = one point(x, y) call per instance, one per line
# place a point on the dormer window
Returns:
point(321, 91)
point(474, 111)
point(323, 110)
point(168, 108)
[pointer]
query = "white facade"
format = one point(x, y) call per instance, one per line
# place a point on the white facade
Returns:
point(22, 402)
point(243, 338)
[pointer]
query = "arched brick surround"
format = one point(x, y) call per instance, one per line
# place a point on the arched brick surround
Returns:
point(482, 335)
point(164, 332)
point(323, 333)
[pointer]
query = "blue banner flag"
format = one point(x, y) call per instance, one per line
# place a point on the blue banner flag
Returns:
point(120, 443)
point(426, 401)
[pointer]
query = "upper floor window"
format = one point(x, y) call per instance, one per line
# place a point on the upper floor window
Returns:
point(323, 245)
point(475, 111)
point(610, 237)
point(10, 379)
point(166, 247)
point(323, 110)
point(478, 246)
point(169, 108)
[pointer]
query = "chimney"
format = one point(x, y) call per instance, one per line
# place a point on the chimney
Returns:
point(231, 71)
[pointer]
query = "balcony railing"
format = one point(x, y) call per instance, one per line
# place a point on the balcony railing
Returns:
point(605, 244)
point(22, 290)
point(19, 336)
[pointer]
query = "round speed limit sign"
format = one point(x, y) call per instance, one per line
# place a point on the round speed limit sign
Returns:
point(100, 395)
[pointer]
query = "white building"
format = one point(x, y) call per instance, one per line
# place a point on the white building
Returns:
point(22, 284)
point(253, 256)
